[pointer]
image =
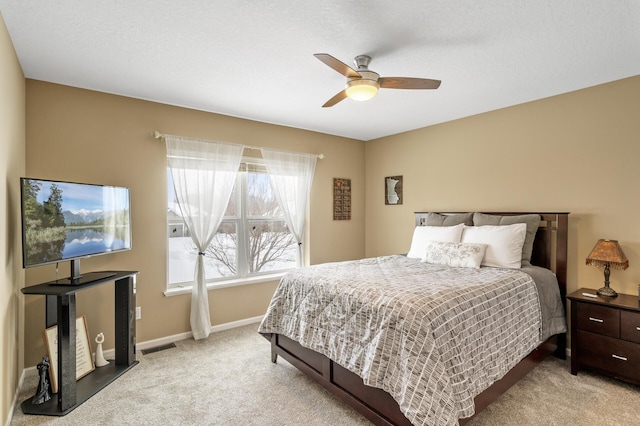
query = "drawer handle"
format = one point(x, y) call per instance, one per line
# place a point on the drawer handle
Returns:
point(638, 328)
point(595, 319)
point(621, 358)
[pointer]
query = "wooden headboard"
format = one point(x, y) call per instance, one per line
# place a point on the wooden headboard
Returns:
point(549, 246)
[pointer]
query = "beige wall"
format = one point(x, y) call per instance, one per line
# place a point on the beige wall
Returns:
point(576, 152)
point(12, 166)
point(84, 136)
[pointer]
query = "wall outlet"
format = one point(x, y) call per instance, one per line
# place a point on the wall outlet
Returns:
point(138, 312)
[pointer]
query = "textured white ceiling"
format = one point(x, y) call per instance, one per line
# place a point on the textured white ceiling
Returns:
point(254, 59)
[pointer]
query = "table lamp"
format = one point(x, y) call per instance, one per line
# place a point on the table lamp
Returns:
point(607, 253)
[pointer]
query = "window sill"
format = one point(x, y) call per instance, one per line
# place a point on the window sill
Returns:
point(186, 289)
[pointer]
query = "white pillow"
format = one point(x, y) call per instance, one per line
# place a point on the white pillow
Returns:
point(466, 255)
point(504, 242)
point(422, 234)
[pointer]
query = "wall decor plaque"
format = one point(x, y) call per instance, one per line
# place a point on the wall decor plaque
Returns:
point(393, 190)
point(341, 199)
point(84, 358)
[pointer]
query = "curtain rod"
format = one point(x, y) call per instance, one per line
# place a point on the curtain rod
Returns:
point(158, 135)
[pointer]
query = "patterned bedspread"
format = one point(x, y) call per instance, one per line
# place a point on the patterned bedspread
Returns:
point(431, 336)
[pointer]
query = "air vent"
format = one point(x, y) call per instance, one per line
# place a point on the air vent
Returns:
point(157, 349)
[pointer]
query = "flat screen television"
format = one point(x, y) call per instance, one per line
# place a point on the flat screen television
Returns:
point(69, 221)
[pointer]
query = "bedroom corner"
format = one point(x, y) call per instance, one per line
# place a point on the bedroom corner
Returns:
point(12, 166)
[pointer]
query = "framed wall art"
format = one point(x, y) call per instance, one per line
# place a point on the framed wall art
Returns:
point(341, 199)
point(393, 190)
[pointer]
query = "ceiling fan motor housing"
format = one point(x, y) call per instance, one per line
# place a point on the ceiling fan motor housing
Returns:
point(369, 76)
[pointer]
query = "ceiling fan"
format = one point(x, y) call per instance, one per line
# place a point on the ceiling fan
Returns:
point(363, 84)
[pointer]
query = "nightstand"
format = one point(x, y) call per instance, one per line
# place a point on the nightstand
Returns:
point(605, 334)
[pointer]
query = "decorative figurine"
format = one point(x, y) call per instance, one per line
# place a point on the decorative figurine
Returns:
point(100, 361)
point(42, 394)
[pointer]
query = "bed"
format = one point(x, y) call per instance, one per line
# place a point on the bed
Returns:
point(355, 329)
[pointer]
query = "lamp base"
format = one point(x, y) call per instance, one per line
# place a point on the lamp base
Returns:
point(607, 291)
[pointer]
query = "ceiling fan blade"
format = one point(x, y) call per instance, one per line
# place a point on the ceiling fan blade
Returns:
point(337, 98)
point(408, 83)
point(337, 65)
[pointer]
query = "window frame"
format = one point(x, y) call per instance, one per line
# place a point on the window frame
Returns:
point(241, 220)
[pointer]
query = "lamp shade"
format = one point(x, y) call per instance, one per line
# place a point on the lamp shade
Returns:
point(362, 89)
point(608, 253)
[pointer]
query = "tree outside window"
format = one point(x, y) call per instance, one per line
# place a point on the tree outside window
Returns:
point(253, 238)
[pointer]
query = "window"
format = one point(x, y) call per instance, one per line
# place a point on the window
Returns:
point(253, 238)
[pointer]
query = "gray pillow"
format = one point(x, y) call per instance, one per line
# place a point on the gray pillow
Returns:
point(531, 220)
point(437, 219)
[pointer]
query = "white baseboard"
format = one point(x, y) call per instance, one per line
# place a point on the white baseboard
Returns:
point(110, 353)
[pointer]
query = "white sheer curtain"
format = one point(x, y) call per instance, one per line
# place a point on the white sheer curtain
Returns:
point(203, 174)
point(291, 175)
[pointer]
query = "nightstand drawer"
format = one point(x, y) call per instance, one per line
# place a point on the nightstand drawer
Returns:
point(598, 319)
point(617, 357)
point(630, 326)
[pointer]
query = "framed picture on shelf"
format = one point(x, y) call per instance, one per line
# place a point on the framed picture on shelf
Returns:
point(84, 358)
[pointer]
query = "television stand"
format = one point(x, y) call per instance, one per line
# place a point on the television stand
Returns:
point(85, 278)
point(61, 311)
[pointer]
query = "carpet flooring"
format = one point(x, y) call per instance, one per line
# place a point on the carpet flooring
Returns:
point(228, 379)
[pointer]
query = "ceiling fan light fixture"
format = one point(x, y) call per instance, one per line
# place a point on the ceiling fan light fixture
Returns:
point(362, 89)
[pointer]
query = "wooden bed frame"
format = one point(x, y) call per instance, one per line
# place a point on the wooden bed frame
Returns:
point(549, 251)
